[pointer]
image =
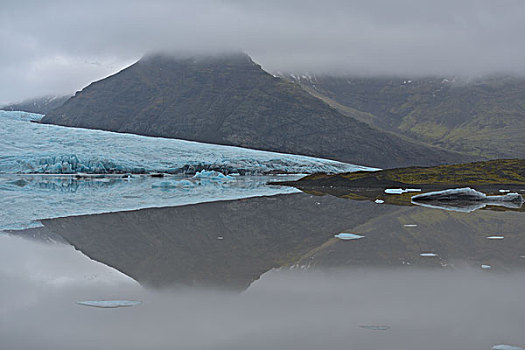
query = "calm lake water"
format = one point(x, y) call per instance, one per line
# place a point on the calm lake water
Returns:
point(267, 273)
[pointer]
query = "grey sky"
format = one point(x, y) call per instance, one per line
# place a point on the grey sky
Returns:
point(59, 46)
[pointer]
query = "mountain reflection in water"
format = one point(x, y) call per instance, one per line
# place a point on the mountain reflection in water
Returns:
point(230, 244)
point(413, 281)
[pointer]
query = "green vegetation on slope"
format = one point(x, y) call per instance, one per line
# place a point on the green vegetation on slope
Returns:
point(484, 117)
point(501, 171)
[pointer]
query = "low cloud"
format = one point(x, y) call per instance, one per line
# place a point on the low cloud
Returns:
point(60, 46)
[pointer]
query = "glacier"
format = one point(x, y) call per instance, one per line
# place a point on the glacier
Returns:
point(49, 171)
point(29, 148)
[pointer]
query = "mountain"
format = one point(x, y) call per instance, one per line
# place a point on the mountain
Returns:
point(40, 105)
point(484, 117)
point(228, 99)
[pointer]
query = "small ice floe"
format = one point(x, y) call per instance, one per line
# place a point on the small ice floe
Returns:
point(466, 200)
point(401, 190)
point(495, 237)
point(486, 267)
point(212, 175)
point(428, 254)
point(506, 347)
point(348, 236)
point(376, 328)
point(410, 225)
point(379, 201)
point(109, 303)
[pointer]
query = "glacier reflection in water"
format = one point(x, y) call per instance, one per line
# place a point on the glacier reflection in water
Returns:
point(29, 198)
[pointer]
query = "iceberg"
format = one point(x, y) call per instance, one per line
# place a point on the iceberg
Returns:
point(506, 347)
point(348, 236)
point(428, 255)
point(401, 190)
point(465, 200)
point(212, 175)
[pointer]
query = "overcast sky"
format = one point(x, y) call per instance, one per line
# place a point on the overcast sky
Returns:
point(59, 46)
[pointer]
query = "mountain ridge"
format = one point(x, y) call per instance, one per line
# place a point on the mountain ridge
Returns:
point(40, 105)
point(230, 100)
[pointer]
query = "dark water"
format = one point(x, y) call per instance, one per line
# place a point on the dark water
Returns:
point(267, 273)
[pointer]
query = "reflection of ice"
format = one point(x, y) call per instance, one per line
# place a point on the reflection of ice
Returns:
point(28, 198)
point(466, 200)
point(37, 148)
point(376, 328)
point(109, 303)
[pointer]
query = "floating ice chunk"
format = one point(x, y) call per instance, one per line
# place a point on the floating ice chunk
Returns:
point(401, 190)
point(428, 254)
point(379, 201)
point(506, 347)
point(486, 267)
point(212, 175)
point(348, 236)
point(465, 200)
point(495, 237)
point(109, 303)
point(376, 328)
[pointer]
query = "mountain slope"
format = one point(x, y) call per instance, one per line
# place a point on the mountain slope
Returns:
point(484, 117)
point(40, 105)
point(230, 100)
